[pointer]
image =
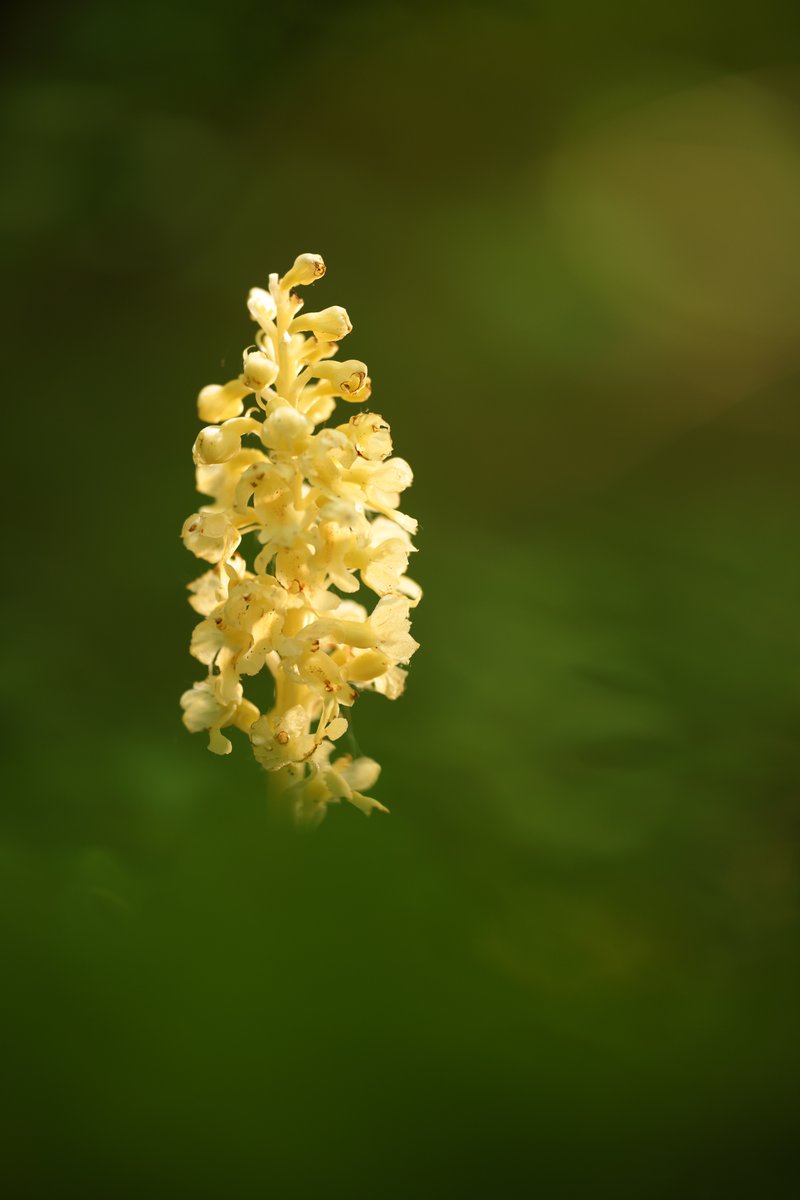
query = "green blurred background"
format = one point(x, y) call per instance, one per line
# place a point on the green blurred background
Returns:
point(566, 965)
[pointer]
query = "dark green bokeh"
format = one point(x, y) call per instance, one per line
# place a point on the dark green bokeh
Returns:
point(566, 964)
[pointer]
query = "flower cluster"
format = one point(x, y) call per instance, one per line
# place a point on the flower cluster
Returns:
point(320, 502)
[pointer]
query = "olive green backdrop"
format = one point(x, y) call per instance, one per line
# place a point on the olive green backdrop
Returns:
point(566, 965)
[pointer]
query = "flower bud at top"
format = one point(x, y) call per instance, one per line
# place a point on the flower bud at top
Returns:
point(330, 325)
point(219, 403)
point(261, 307)
point(305, 269)
point(259, 371)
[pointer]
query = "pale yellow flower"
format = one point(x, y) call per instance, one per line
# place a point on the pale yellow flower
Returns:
point(210, 535)
point(320, 511)
point(204, 708)
point(329, 782)
point(218, 402)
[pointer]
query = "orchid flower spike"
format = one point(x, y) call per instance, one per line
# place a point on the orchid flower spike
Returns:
point(300, 519)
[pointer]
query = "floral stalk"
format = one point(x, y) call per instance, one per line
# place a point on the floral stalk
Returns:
point(319, 505)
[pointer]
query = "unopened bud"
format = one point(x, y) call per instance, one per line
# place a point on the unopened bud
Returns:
point(259, 371)
point(261, 307)
point(330, 325)
point(218, 443)
point(305, 269)
point(214, 445)
point(220, 402)
point(286, 430)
